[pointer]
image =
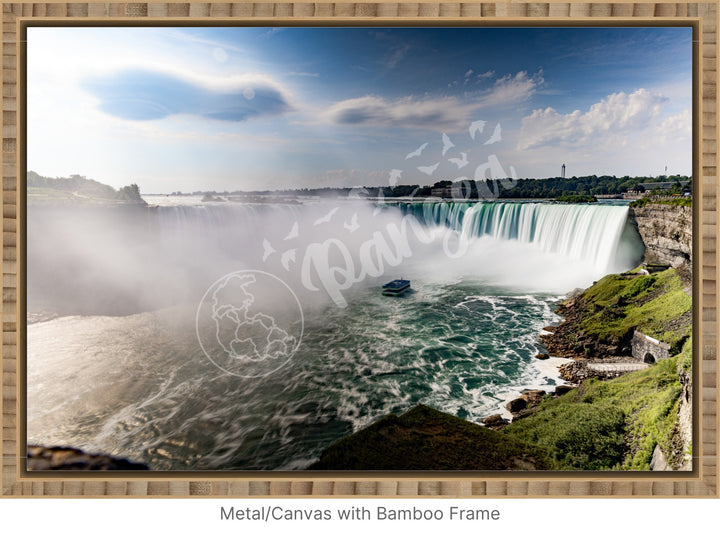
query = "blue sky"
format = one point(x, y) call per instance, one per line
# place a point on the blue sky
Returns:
point(271, 108)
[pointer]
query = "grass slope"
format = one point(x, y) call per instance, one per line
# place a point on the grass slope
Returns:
point(680, 201)
point(608, 425)
point(654, 304)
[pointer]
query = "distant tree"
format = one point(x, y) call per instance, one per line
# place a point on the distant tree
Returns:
point(130, 193)
point(676, 189)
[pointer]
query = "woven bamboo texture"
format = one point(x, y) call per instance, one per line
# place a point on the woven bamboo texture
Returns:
point(701, 482)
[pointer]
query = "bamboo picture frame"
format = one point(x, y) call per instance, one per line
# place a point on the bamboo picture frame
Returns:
point(700, 482)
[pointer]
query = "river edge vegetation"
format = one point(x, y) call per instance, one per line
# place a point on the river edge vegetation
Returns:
point(655, 304)
point(576, 199)
point(681, 201)
point(609, 425)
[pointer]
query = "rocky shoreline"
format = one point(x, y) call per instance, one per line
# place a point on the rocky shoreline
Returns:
point(568, 340)
point(61, 458)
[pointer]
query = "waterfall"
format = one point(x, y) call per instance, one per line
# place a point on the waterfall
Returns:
point(533, 246)
point(598, 234)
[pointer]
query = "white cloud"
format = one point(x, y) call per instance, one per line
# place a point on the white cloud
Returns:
point(144, 94)
point(619, 114)
point(273, 31)
point(622, 134)
point(311, 74)
point(396, 56)
point(677, 127)
point(189, 38)
point(440, 113)
point(512, 89)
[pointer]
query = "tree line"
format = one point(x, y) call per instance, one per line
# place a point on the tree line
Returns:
point(525, 188)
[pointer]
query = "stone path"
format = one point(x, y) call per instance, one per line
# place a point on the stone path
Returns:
point(622, 367)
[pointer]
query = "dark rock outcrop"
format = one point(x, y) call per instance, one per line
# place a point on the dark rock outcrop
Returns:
point(568, 340)
point(59, 458)
point(496, 421)
point(525, 404)
point(561, 390)
point(426, 439)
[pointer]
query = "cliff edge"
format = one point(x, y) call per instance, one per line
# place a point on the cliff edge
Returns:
point(666, 231)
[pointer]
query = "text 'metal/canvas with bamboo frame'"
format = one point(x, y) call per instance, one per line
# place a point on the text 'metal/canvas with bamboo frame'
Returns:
point(701, 481)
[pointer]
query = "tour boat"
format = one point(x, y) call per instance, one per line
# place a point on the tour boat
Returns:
point(396, 287)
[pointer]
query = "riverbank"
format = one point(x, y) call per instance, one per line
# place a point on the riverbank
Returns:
point(600, 323)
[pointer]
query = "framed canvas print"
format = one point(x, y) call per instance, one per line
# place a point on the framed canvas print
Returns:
point(419, 252)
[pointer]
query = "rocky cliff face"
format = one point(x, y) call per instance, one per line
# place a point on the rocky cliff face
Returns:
point(679, 457)
point(666, 231)
point(683, 432)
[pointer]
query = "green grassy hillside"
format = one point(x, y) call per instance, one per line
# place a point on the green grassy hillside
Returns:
point(654, 304)
point(609, 425)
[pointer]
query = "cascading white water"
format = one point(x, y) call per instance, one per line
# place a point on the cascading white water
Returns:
point(591, 233)
point(534, 246)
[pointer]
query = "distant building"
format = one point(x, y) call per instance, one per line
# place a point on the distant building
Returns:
point(562, 171)
point(662, 186)
point(444, 192)
point(652, 188)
